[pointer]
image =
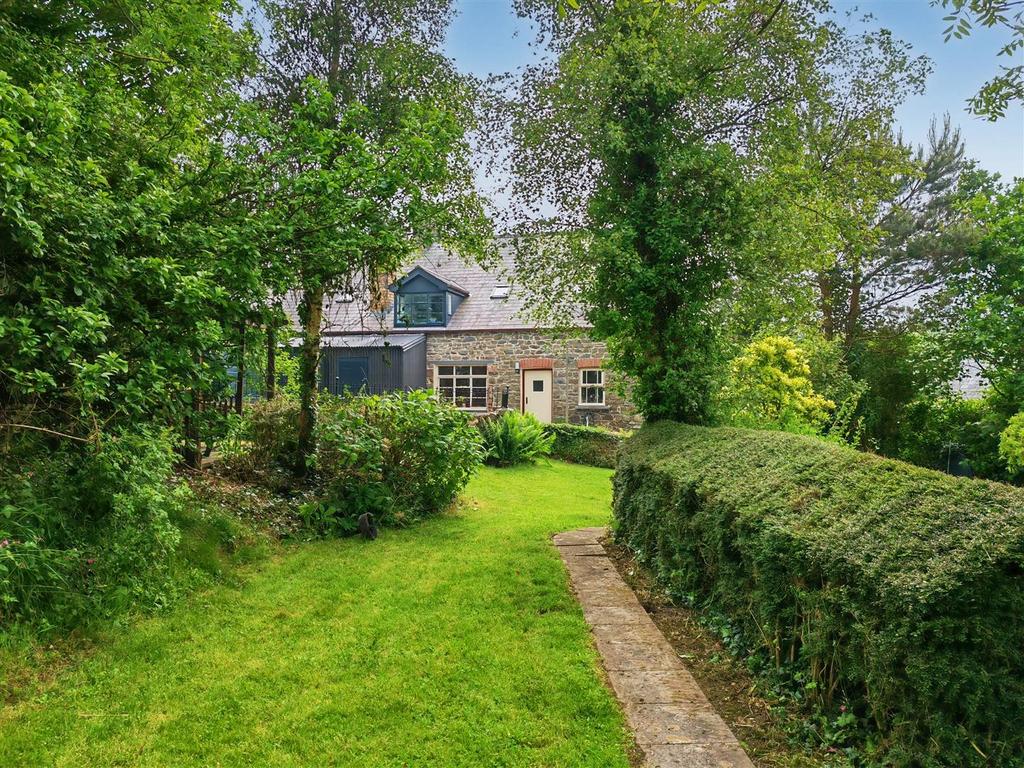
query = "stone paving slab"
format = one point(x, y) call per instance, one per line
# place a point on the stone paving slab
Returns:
point(686, 723)
point(637, 655)
point(590, 566)
point(615, 614)
point(607, 596)
point(696, 755)
point(584, 550)
point(673, 721)
point(581, 536)
point(664, 686)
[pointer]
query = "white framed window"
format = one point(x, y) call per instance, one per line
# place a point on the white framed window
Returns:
point(591, 386)
point(463, 385)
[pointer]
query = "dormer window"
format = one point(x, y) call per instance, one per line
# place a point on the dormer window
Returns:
point(415, 309)
point(424, 299)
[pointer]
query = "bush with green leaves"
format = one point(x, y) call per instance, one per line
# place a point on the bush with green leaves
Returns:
point(1011, 444)
point(958, 434)
point(511, 437)
point(889, 589)
point(264, 439)
point(87, 533)
point(585, 445)
point(400, 456)
point(770, 387)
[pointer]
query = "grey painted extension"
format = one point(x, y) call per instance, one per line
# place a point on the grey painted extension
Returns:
point(671, 718)
point(373, 363)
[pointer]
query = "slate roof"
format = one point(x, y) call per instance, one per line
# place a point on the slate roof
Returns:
point(419, 269)
point(477, 311)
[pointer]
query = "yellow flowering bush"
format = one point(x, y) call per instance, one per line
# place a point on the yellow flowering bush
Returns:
point(770, 387)
point(1011, 443)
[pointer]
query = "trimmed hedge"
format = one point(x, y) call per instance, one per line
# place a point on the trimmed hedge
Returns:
point(895, 590)
point(585, 445)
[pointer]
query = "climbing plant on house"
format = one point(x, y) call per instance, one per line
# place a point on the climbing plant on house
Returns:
point(647, 135)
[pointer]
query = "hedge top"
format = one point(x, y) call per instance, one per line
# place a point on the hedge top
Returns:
point(912, 533)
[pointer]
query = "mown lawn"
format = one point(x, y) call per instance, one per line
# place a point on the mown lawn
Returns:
point(452, 643)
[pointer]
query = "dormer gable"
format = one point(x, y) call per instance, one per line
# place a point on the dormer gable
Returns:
point(420, 280)
point(424, 299)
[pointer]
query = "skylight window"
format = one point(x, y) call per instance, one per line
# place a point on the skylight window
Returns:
point(500, 292)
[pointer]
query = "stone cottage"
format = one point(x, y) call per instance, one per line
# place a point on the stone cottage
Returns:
point(464, 331)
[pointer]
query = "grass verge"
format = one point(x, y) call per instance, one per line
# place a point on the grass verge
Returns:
point(455, 642)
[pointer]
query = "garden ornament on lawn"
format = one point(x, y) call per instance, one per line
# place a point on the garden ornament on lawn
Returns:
point(367, 527)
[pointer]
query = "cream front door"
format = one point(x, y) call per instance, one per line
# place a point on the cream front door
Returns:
point(537, 394)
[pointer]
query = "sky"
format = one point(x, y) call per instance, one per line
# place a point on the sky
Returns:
point(487, 37)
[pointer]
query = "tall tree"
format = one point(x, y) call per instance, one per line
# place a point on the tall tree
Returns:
point(866, 226)
point(902, 241)
point(642, 140)
point(368, 152)
point(121, 230)
point(979, 313)
point(377, 53)
point(828, 188)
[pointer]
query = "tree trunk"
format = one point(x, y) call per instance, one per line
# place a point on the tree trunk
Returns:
point(190, 449)
point(271, 361)
point(240, 381)
point(334, 56)
point(828, 324)
point(310, 313)
point(853, 317)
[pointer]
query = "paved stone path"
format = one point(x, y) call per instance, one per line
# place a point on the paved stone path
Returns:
point(674, 723)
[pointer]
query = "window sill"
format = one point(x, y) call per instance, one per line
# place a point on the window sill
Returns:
point(591, 407)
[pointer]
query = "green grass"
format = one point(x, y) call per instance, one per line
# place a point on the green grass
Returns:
point(452, 643)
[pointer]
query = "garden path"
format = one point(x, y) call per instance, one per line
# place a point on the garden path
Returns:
point(673, 721)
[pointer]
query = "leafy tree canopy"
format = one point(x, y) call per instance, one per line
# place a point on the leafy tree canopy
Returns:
point(979, 315)
point(1011, 443)
point(367, 153)
point(996, 96)
point(662, 140)
point(121, 233)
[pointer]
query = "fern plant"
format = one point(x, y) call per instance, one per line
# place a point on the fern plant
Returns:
point(514, 438)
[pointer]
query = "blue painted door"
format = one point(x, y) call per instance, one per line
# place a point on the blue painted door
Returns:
point(352, 374)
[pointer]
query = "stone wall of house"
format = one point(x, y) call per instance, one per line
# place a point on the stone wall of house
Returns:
point(562, 353)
